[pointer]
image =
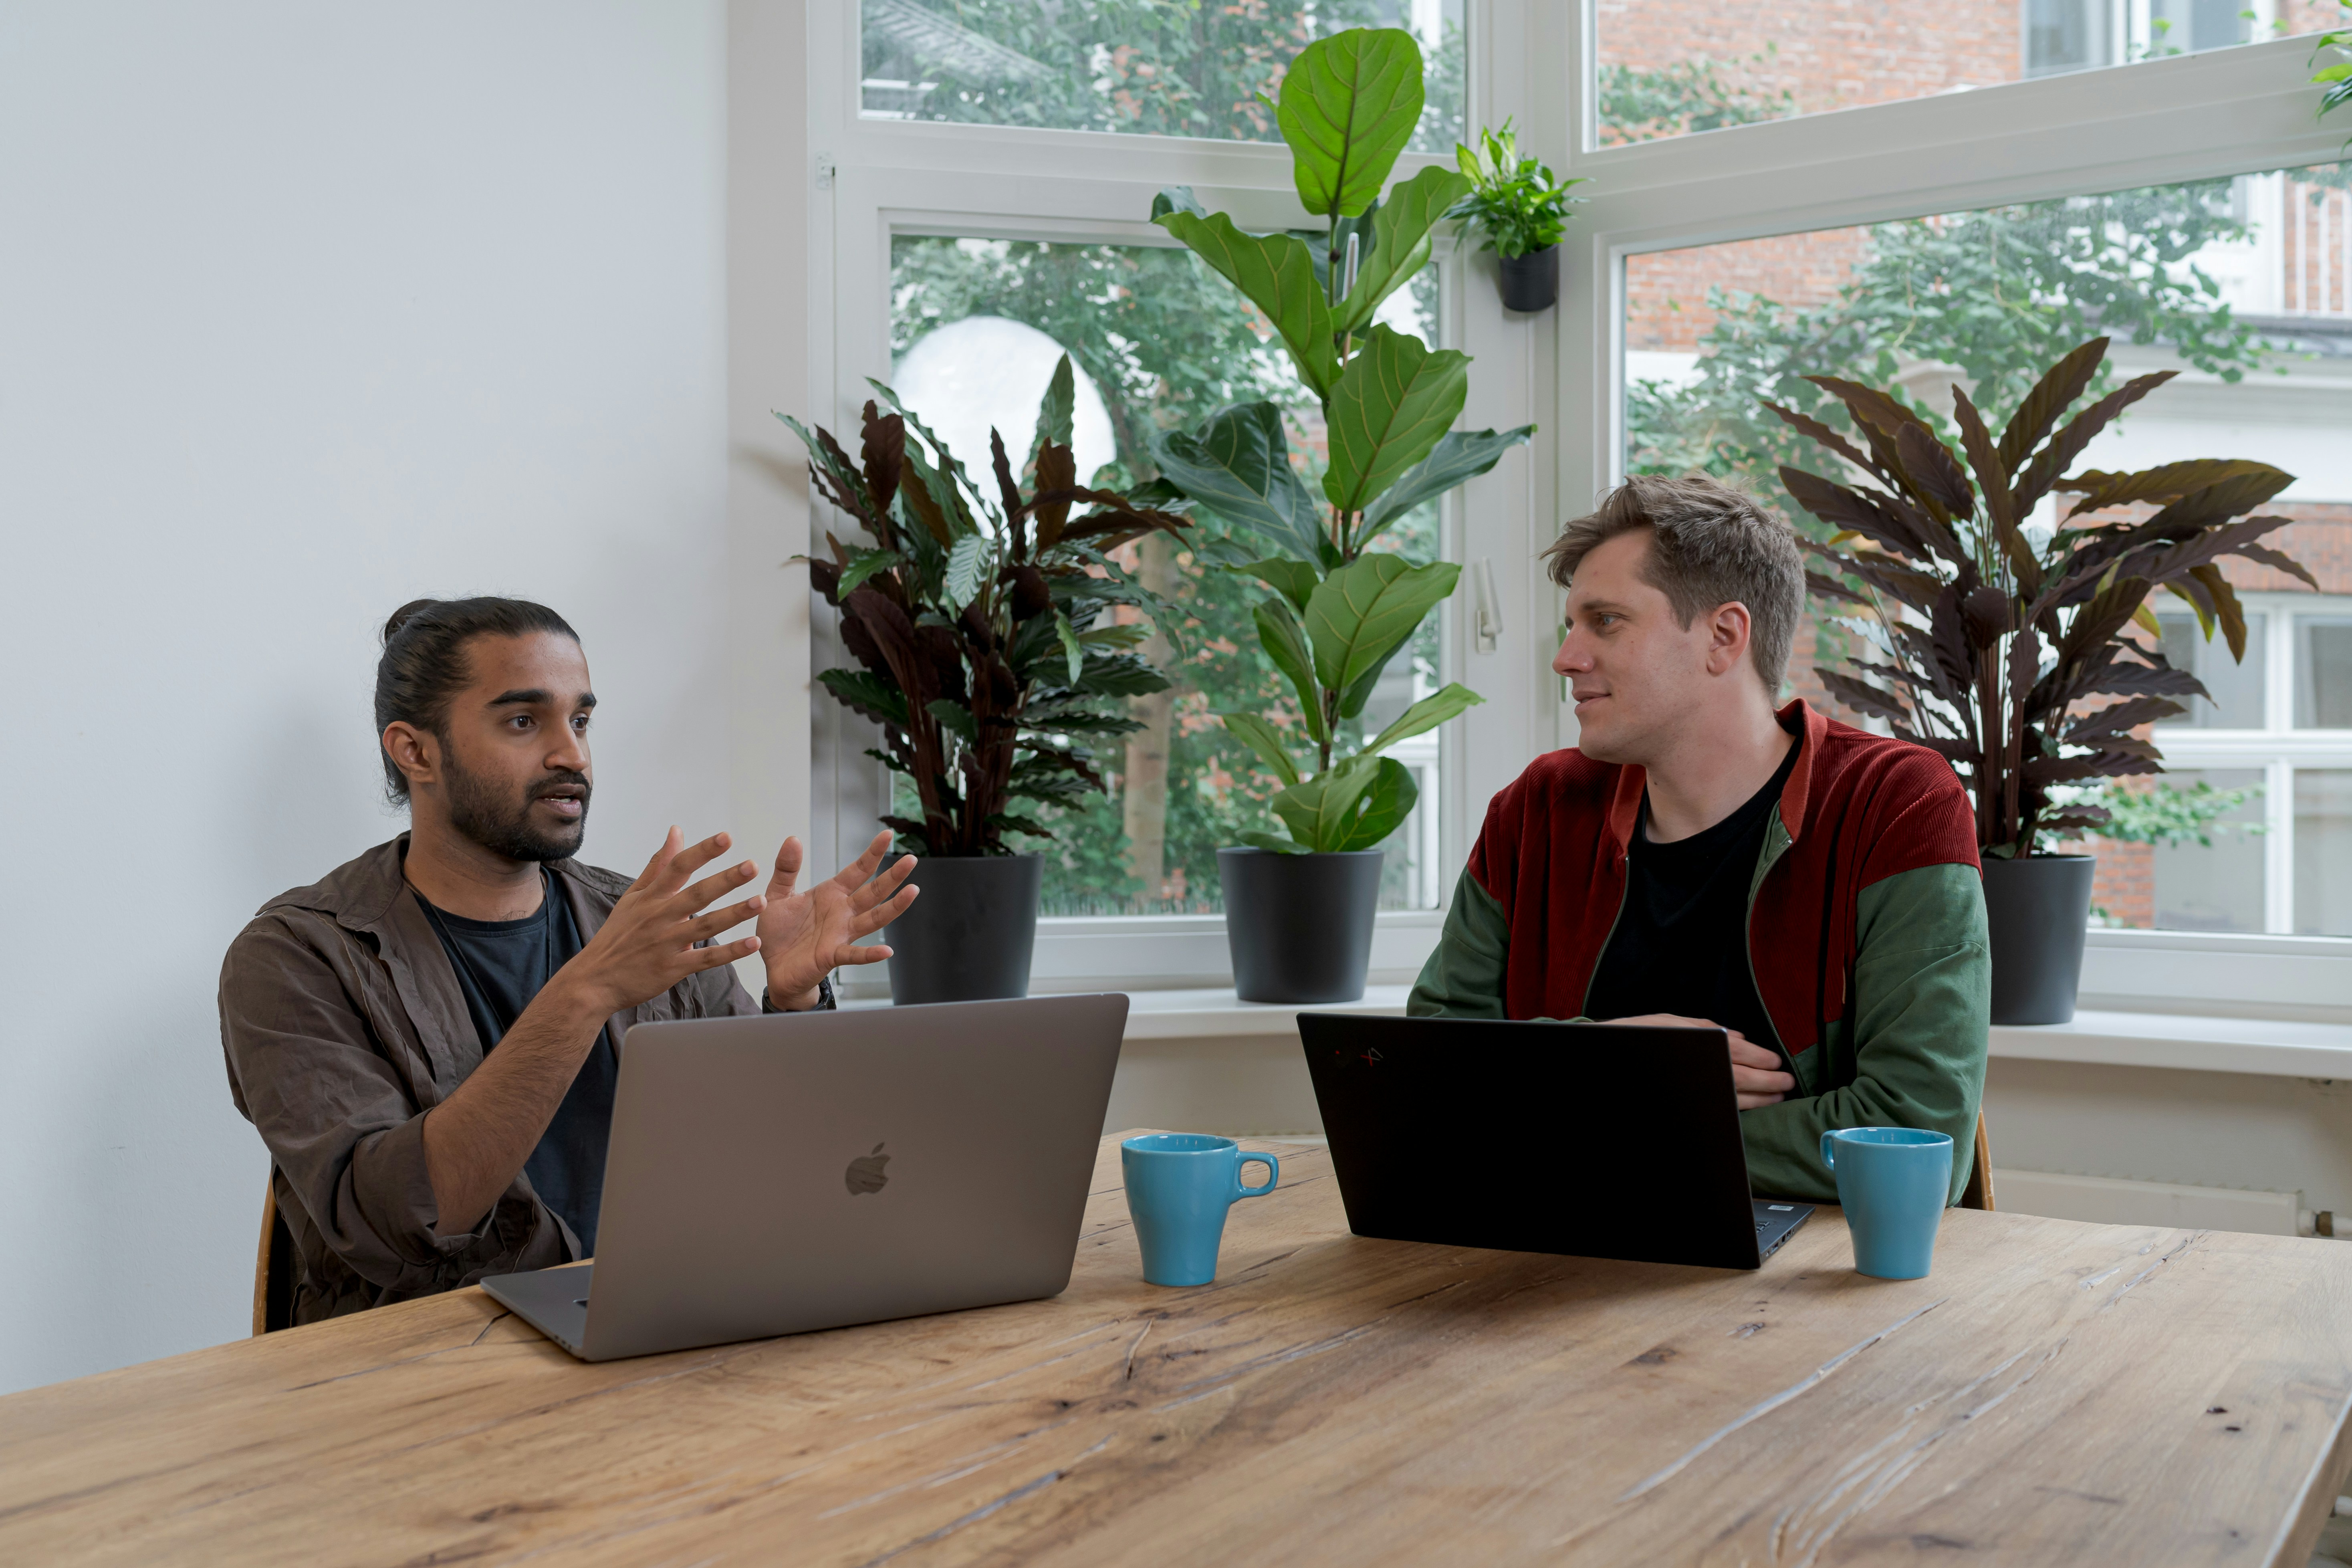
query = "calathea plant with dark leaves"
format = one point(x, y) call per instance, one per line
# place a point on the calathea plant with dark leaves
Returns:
point(2011, 653)
point(1340, 610)
point(972, 615)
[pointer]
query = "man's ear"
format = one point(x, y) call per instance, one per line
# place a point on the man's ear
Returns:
point(415, 752)
point(1727, 628)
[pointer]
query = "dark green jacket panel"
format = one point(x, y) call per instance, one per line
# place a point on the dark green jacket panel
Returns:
point(1463, 977)
point(1910, 1051)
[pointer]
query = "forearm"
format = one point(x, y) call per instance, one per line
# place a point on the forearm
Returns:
point(1922, 1006)
point(476, 1141)
point(1463, 977)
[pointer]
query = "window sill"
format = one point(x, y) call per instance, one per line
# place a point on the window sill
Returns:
point(2267, 1047)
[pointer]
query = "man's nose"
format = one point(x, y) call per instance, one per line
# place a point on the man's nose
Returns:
point(1570, 658)
point(571, 755)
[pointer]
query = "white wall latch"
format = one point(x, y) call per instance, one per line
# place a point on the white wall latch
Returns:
point(1486, 613)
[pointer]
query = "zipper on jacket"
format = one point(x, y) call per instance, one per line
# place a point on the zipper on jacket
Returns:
point(1776, 843)
point(1625, 873)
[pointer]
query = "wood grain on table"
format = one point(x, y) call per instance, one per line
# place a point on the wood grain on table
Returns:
point(2055, 1393)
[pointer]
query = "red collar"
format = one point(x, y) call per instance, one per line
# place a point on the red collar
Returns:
point(1625, 807)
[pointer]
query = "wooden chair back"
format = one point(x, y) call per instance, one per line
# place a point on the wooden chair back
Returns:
point(1978, 1194)
point(273, 1269)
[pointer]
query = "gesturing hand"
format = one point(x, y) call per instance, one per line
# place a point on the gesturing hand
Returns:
point(646, 944)
point(1756, 1075)
point(807, 936)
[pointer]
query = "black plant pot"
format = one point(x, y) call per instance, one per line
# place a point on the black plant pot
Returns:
point(2038, 910)
point(1531, 283)
point(1300, 926)
point(969, 935)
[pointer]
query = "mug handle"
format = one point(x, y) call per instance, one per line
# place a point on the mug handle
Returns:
point(1829, 1153)
point(1272, 1174)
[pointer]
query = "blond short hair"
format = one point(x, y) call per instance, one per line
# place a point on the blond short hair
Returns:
point(1710, 544)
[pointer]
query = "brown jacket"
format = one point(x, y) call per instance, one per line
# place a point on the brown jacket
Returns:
point(344, 1024)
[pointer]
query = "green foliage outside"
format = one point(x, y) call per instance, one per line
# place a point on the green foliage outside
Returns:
point(1642, 103)
point(2169, 814)
point(1165, 68)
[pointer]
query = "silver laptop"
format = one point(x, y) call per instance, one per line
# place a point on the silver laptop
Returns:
point(777, 1175)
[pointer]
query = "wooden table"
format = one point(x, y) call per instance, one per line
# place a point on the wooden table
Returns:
point(2054, 1394)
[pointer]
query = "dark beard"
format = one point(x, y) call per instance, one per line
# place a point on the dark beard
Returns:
point(504, 828)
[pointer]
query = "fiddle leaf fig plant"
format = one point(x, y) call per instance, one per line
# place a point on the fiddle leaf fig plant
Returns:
point(973, 618)
point(1337, 611)
point(2006, 645)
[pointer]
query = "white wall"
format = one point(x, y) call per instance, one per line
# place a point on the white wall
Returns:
point(304, 311)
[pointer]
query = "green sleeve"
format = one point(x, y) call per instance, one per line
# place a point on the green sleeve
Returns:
point(1922, 1006)
point(1464, 978)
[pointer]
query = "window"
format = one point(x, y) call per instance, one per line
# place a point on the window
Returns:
point(1156, 340)
point(988, 169)
point(2227, 840)
point(1132, 67)
point(1668, 68)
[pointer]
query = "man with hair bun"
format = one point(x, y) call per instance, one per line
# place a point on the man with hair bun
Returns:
point(1704, 855)
point(427, 1038)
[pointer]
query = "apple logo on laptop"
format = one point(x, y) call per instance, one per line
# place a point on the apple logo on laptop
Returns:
point(866, 1173)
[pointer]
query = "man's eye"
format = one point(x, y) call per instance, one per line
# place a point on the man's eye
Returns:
point(581, 723)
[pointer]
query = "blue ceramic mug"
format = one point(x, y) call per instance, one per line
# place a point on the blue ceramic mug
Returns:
point(1179, 1186)
point(1893, 1183)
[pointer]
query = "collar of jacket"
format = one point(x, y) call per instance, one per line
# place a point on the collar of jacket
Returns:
point(1809, 726)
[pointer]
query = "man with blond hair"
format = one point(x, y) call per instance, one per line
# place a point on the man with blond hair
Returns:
point(1704, 855)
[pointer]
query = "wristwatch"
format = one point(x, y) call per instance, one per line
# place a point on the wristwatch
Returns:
point(825, 1002)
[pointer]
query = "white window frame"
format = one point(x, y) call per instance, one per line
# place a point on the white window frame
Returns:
point(878, 177)
point(2223, 113)
point(2278, 748)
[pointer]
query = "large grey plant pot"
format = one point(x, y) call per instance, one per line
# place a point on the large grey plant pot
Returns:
point(969, 933)
point(1299, 926)
point(2038, 911)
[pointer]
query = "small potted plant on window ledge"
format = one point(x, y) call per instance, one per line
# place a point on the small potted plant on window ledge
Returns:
point(971, 615)
point(2007, 645)
point(1521, 210)
point(1299, 904)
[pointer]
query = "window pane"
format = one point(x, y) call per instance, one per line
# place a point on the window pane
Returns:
point(1158, 341)
point(2216, 884)
point(1134, 66)
point(2323, 672)
point(2323, 851)
point(2236, 686)
point(2174, 275)
point(1667, 68)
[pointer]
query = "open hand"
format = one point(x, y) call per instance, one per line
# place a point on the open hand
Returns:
point(1756, 1075)
point(646, 944)
point(807, 936)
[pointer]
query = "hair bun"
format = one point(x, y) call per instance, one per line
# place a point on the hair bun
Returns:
point(403, 616)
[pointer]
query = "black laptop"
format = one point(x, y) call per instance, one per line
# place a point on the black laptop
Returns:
point(1591, 1140)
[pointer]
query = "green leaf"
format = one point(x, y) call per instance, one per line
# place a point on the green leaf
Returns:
point(867, 694)
point(1459, 456)
point(1176, 199)
point(1131, 634)
point(1274, 843)
point(1294, 580)
point(955, 718)
point(1427, 714)
point(968, 567)
point(1360, 612)
point(1059, 409)
point(1399, 245)
point(1265, 740)
point(1320, 811)
point(1391, 407)
point(1120, 675)
point(1275, 273)
point(1349, 103)
point(1238, 466)
point(864, 564)
point(1284, 641)
point(1352, 699)
point(1070, 648)
point(1384, 806)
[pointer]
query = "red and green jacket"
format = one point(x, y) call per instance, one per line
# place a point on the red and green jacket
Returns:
point(1865, 934)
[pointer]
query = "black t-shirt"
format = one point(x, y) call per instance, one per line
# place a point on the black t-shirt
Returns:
point(1681, 943)
point(501, 966)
